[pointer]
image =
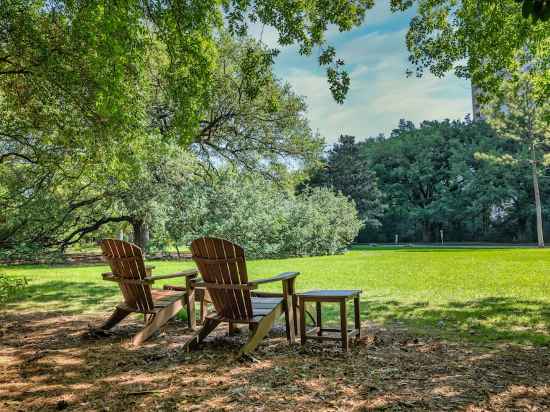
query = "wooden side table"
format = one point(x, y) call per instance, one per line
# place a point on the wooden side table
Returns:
point(336, 296)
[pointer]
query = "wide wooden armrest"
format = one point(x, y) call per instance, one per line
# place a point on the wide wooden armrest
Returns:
point(241, 286)
point(185, 273)
point(107, 274)
point(118, 279)
point(278, 278)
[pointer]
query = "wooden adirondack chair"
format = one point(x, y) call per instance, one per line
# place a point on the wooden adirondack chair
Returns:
point(223, 269)
point(135, 280)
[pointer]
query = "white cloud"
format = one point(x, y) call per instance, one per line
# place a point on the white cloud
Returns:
point(380, 93)
point(376, 58)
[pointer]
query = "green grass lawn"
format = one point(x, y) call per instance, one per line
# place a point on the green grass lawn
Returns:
point(463, 293)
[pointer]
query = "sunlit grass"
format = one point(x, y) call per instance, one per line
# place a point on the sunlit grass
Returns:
point(479, 294)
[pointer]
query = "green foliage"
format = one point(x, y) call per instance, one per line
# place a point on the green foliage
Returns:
point(434, 180)
point(265, 220)
point(304, 24)
point(348, 171)
point(63, 195)
point(29, 252)
point(11, 287)
point(254, 120)
point(481, 39)
point(519, 114)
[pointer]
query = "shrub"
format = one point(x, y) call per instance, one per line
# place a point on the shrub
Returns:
point(29, 252)
point(10, 287)
point(264, 219)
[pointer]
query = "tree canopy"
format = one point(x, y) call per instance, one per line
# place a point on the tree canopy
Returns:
point(347, 171)
point(53, 193)
point(436, 176)
point(481, 39)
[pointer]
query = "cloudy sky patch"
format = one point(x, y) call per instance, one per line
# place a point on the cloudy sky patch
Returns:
point(380, 93)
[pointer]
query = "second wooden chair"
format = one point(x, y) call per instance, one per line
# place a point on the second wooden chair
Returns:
point(223, 269)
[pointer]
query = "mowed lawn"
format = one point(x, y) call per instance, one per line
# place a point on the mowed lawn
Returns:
point(486, 295)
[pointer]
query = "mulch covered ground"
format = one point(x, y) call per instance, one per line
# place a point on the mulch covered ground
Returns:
point(49, 362)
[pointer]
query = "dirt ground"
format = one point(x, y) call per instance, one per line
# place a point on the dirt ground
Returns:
point(49, 362)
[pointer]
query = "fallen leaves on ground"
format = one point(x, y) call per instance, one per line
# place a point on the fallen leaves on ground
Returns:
point(51, 361)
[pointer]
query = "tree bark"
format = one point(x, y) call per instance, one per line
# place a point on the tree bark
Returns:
point(141, 234)
point(426, 232)
point(538, 206)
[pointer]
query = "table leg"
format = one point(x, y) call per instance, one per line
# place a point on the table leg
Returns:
point(319, 318)
point(344, 325)
point(289, 312)
point(190, 302)
point(301, 305)
point(357, 310)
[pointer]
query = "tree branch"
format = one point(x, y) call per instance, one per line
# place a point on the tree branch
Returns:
point(79, 233)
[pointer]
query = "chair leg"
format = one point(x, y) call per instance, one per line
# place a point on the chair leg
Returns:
point(208, 326)
point(203, 311)
point(117, 316)
point(157, 321)
point(289, 313)
point(190, 302)
point(262, 329)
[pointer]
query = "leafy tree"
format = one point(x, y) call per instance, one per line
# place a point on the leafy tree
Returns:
point(267, 221)
point(481, 39)
point(131, 181)
point(433, 181)
point(253, 119)
point(347, 171)
point(522, 116)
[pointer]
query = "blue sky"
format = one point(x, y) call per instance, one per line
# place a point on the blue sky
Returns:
point(380, 94)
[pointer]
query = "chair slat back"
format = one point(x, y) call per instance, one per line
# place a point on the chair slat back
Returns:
point(126, 261)
point(223, 262)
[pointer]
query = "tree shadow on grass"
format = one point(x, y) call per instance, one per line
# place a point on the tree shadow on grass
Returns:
point(445, 249)
point(489, 319)
point(70, 297)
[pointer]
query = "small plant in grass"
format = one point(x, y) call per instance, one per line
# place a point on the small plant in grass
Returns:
point(11, 287)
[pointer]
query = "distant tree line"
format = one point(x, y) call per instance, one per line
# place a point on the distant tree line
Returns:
point(455, 176)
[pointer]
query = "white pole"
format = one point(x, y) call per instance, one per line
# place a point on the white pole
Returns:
point(441, 234)
point(396, 239)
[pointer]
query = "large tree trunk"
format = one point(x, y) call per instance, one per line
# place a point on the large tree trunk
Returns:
point(141, 234)
point(426, 232)
point(538, 206)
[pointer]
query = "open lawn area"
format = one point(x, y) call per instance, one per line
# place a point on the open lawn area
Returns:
point(480, 294)
point(443, 328)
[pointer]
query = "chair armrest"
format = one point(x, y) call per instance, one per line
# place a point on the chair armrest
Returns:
point(185, 273)
point(147, 269)
point(278, 278)
point(109, 276)
point(241, 286)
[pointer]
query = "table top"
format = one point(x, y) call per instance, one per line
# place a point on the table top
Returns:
point(331, 293)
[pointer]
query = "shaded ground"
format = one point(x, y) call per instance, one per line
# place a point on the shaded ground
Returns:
point(47, 363)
